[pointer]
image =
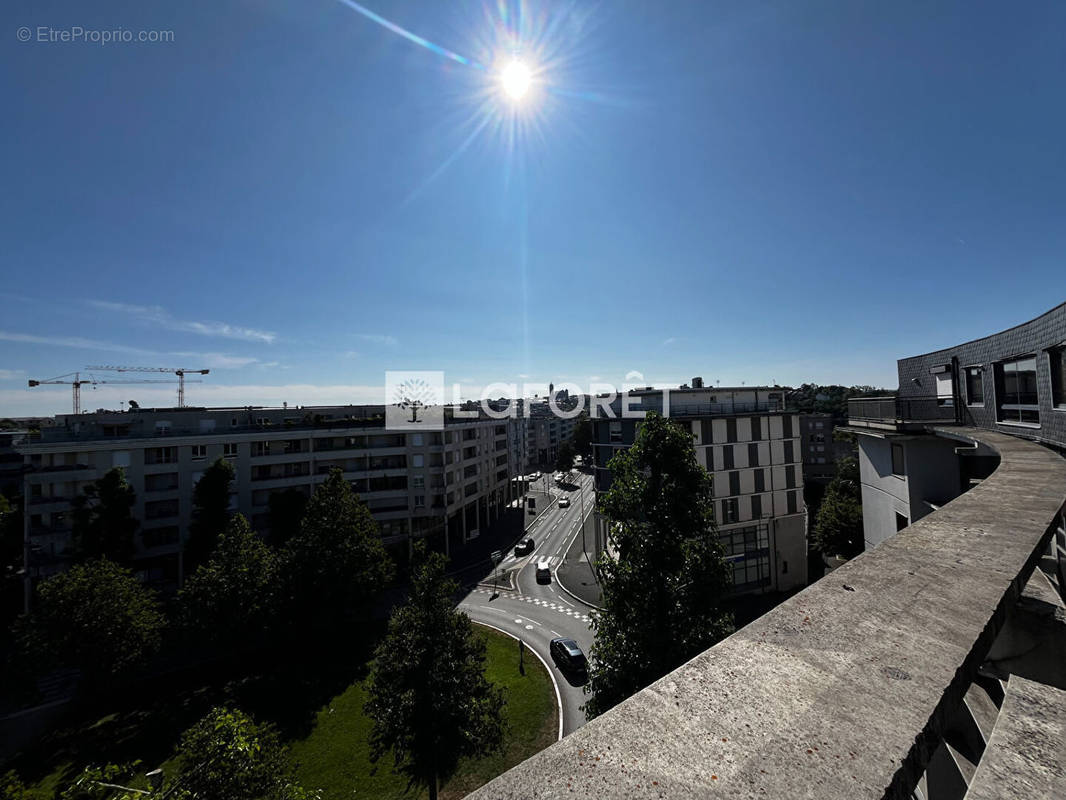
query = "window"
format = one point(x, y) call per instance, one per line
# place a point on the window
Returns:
point(897, 460)
point(756, 428)
point(229, 449)
point(756, 506)
point(120, 458)
point(975, 392)
point(727, 457)
point(261, 448)
point(162, 429)
point(734, 483)
point(199, 452)
point(233, 423)
point(731, 430)
point(157, 537)
point(819, 424)
point(945, 388)
point(789, 454)
point(729, 511)
point(790, 477)
point(417, 460)
point(1058, 376)
point(616, 431)
point(416, 439)
point(760, 480)
point(1016, 391)
point(790, 499)
point(418, 482)
point(786, 427)
point(420, 500)
point(753, 455)
point(207, 425)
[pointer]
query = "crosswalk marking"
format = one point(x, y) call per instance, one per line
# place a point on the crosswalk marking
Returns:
point(549, 604)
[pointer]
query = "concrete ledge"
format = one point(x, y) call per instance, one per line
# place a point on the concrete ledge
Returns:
point(843, 690)
point(1026, 756)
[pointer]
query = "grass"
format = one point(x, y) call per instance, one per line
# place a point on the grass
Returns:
point(335, 757)
point(320, 716)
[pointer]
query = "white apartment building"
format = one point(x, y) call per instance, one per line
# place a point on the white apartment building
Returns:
point(750, 444)
point(446, 484)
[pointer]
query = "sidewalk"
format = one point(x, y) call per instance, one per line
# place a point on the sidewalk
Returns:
point(575, 575)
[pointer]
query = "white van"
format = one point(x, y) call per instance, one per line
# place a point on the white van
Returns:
point(544, 571)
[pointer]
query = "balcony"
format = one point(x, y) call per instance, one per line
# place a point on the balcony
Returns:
point(900, 413)
point(852, 688)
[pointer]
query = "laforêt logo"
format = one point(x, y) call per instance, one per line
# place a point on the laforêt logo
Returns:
point(414, 400)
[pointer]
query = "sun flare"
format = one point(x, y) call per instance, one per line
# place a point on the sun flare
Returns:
point(515, 80)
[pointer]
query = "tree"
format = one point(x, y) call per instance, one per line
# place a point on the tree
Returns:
point(103, 523)
point(210, 498)
point(429, 700)
point(337, 562)
point(286, 510)
point(663, 576)
point(230, 599)
point(96, 616)
point(583, 438)
point(838, 524)
point(228, 755)
point(565, 460)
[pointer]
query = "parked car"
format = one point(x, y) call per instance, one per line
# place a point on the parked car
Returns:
point(544, 571)
point(567, 655)
point(564, 501)
point(524, 547)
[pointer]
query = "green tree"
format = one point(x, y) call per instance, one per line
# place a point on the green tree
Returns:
point(663, 577)
point(230, 600)
point(565, 461)
point(228, 755)
point(838, 523)
point(287, 509)
point(103, 523)
point(337, 563)
point(583, 438)
point(96, 616)
point(210, 498)
point(429, 700)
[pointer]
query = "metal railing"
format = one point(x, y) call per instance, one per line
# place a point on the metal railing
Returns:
point(902, 409)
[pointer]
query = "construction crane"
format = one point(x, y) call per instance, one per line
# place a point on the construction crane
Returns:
point(180, 372)
point(78, 382)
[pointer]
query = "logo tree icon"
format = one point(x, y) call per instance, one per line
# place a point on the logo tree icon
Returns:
point(413, 394)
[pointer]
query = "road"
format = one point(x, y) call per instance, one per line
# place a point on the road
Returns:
point(538, 613)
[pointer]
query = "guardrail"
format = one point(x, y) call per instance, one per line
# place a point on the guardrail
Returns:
point(901, 409)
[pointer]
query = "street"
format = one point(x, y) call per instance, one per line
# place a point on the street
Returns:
point(538, 613)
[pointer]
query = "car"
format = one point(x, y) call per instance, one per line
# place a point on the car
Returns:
point(544, 571)
point(535, 476)
point(564, 502)
point(524, 547)
point(567, 655)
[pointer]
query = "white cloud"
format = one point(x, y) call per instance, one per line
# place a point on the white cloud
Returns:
point(379, 338)
point(669, 341)
point(72, 341)
point(12, 374)
point(217, 360)
point(352, 354)
point(158, 315)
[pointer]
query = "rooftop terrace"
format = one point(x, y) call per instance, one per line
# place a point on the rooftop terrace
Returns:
point(846, 689)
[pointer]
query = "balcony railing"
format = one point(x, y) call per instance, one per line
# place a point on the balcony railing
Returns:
point(896, 410)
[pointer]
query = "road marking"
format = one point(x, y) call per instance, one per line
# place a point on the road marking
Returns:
point(529, 627)
point(518, 621)
point(556, 632)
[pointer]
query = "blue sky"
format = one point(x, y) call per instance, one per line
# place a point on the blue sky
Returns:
point(299, 198)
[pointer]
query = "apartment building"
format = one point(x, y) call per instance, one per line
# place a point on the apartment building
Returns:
point(750, 443)
point(445, 484)
point(1012, 382)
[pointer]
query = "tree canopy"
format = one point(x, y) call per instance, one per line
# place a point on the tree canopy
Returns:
point(98, 617)
point(663, 575)
point(337, 562)
point(429, 700)
point(210, 498)
point(583, 438)
point(838, 524)
point(103, 522)
point(565, 460)
point(230, 600)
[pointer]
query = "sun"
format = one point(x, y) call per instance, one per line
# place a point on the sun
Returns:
point(515, 80)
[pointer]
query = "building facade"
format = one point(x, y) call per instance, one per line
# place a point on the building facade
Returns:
point(1013, 382)
point(750, 444)
point(446, 484)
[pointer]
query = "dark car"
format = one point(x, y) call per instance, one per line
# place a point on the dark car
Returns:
point(524, 547)
point(567, 655)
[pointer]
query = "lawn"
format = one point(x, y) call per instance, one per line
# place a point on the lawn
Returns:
point(335, 757)
point(330, 745)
